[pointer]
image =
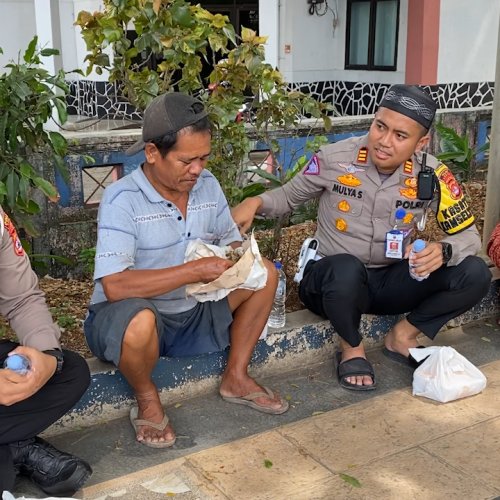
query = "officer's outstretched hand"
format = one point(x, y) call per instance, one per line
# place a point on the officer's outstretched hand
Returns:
point(15, 387)
point(427, 260)
point(244, 213)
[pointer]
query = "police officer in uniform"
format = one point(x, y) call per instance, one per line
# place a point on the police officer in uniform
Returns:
point(373, 192)
point(31, 402)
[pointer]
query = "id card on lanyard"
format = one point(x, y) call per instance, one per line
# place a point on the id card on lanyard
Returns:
point(394, 244)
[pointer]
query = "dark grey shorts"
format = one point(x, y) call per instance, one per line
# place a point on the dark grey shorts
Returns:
point(205, 328)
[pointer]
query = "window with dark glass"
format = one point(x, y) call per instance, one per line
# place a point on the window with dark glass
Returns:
point(240, 13)
point(372, 34)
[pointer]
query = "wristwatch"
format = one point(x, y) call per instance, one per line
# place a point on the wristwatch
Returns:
point(58, 354)
point(447, 251)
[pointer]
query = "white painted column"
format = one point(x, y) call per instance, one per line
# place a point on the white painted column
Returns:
point(269, 23)
point(48, 29)
point(492, 208)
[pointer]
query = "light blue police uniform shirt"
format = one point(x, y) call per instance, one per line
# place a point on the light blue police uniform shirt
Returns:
point(139, 229)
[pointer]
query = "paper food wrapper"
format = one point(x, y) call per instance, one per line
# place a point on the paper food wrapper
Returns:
point(249, 272)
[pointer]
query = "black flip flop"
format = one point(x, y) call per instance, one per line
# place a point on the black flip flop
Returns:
point(404, 360)
point(352, 368)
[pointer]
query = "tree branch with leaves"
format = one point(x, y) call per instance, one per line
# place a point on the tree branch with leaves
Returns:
point(29, 94)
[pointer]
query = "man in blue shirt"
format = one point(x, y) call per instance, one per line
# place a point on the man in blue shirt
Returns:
point(139, 310)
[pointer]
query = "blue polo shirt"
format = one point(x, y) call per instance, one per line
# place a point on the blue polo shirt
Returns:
point(139, 229)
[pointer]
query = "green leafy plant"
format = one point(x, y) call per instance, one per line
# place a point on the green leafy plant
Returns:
point(350, 480)
point(176, 39)
point(29, 94)
point(455, 149)
point(87, 259)
point(62, 317)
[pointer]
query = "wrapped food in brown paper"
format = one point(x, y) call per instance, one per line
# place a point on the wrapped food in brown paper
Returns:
point(248, 272)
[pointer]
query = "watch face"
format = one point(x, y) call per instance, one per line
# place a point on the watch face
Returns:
point(446, 252)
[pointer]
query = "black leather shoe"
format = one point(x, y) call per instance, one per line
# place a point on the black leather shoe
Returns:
point(53, 471)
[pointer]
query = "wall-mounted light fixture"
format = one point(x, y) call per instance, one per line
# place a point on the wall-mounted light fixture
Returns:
point(321, 7)
point(314, 7)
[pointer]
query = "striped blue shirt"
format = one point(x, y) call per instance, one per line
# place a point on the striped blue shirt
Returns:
point(139, 229)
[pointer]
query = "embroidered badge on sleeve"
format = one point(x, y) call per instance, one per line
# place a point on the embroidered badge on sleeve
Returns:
point(312, 168)
point(18, 247)
point(454, 214)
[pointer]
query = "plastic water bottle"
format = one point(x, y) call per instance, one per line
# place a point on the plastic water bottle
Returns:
point(418, 245)
point(277, 316)
point(17, 363)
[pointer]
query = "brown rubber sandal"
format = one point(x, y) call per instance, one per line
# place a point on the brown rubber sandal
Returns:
point(249, 400)
point(138, 422)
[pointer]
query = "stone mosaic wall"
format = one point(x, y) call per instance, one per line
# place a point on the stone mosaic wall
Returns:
point(103, 99)
point(99, 100)
point(356, 98)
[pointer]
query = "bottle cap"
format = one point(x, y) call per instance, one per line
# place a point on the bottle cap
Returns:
point(16, 362)
point(278, 264)
point(418, 245)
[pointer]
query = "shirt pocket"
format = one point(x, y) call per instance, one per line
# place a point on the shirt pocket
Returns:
point(412, 211)
point(206, 236)
point(346, 213)
point(347, 207)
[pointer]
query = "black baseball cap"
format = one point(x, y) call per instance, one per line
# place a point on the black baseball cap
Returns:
point(411, 101)
point(167, 114)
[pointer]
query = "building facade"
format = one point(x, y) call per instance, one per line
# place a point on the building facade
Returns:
point(346, 52)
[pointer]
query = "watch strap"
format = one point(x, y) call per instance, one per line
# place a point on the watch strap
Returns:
point(447, 250)
point(58, 354)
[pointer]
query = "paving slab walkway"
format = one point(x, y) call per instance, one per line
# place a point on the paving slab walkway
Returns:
point(331, 444)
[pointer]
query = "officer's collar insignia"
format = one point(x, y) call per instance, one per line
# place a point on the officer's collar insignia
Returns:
point(362, 155)
point(350, 168)
point(312, 167)
point(408, 167)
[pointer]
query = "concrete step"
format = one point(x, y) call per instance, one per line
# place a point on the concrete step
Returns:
point(305, 340)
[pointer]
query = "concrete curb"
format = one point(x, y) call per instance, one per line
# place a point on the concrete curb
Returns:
point(305, 339)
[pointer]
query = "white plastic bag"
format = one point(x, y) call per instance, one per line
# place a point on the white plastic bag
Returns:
point(249, 272)
point(445, 375)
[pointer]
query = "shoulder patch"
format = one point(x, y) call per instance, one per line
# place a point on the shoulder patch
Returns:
point(18, 247)
point(454, 214)
point(408, 167)
point(312, 167)
point(362, 155)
